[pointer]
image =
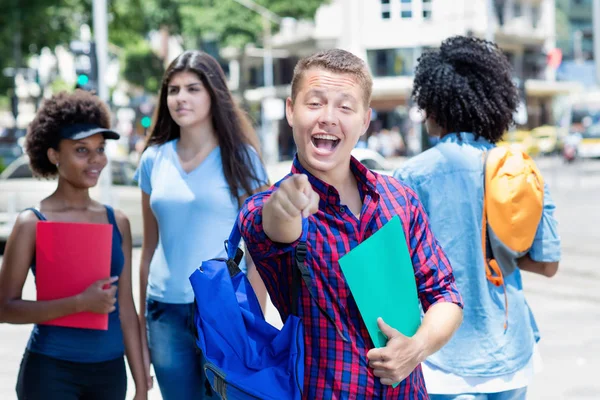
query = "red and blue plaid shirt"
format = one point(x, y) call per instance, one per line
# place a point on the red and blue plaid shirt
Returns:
point(334, 368)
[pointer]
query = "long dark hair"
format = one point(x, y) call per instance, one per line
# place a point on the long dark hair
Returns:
point(232, 126)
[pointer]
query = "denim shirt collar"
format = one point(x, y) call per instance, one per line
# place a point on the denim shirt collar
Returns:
point(466, 137)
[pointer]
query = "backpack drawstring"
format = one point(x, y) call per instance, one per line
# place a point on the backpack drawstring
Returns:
point(493, 273)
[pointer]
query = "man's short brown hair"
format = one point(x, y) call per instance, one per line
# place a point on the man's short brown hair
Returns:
point(338, 61)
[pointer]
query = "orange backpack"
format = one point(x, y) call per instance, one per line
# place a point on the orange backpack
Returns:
point(513, 203)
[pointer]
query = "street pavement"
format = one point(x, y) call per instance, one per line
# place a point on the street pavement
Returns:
point(566, 306)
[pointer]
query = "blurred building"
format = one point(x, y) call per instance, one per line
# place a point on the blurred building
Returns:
point(391, 34)
point(574, 36)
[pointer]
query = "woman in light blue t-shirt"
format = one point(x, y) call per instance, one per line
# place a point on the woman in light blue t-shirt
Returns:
point(200, 163)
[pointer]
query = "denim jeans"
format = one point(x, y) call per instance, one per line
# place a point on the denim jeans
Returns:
point(177, 362)
point(517, 394)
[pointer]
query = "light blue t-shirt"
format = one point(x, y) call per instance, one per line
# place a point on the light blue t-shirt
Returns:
point(195, 213)
point(448, 180)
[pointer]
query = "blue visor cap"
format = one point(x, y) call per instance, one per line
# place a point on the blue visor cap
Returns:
point(82, 131)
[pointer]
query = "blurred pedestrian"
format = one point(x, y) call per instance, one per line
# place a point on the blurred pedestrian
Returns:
point(467, 92)
point(67, 140)
point(397, 141)
point(201, 161)
point(374, 141)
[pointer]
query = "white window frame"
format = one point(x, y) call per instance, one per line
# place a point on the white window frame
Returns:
point(407, 7)
point(386, 8)
point(427, 6)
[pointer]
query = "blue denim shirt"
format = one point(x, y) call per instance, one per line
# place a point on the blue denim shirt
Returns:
point(449, 182)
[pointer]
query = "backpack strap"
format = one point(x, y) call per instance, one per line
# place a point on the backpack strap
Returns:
point(300, 270)
point(493, 273)
point(496, 279)
point(234, 253)
point(232, 244)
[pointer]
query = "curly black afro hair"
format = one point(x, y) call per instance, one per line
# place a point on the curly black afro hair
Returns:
point(467, 86)
point(61, 110)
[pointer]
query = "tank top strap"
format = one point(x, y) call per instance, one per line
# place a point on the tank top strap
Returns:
point(37, 213)
point(110, 213)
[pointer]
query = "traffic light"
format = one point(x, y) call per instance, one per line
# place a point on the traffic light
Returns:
point(82, 80)
point(146, 121)
point(86, 65)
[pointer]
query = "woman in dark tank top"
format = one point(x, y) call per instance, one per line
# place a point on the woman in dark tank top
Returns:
point(66, 140)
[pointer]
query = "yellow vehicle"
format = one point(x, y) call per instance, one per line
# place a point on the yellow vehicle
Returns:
point(546, 138)
point(580, 118)
point(589, 144)
point(522, 140)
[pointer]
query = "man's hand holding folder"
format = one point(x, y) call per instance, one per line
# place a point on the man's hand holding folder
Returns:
point(398, 358)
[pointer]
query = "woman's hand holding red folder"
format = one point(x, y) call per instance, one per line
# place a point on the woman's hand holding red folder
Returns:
point(99, 297)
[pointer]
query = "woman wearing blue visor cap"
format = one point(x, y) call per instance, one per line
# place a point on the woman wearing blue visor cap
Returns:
point(66, 140)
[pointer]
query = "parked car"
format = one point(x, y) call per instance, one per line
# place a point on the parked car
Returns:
point(10, 146)
point(546, 137)
point(20, 190)
point(521, 140)
point(373, 160)
point(588, 145)
point(9, 152)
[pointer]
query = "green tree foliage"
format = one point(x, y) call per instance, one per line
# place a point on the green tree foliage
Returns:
point(196, 22)
point(30, 25)
point(142, 67)
point(235, 25)
point(26, 26)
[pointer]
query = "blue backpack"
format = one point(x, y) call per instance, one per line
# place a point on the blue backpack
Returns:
point(246, 357)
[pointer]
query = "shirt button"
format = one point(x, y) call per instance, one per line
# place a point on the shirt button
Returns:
point(342, 209)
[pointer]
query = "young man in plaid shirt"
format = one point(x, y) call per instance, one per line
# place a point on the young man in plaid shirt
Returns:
point(345, 204)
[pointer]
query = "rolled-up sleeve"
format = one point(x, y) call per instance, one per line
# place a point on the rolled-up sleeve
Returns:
point(273, 260)
point(433, 272)
point(250, 221)
point(546, 244)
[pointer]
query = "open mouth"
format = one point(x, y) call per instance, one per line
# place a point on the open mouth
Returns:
point(325, 142)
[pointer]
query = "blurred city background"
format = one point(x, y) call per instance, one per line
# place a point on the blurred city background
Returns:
point(119, 50)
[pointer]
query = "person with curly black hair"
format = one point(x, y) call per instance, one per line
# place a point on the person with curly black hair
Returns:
point(66, 140)
point(466, 86)
point(466, 91)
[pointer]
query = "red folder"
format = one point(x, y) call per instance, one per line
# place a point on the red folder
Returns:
point(69, 258)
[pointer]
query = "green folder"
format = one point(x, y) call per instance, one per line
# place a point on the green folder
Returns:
point(381, 277)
